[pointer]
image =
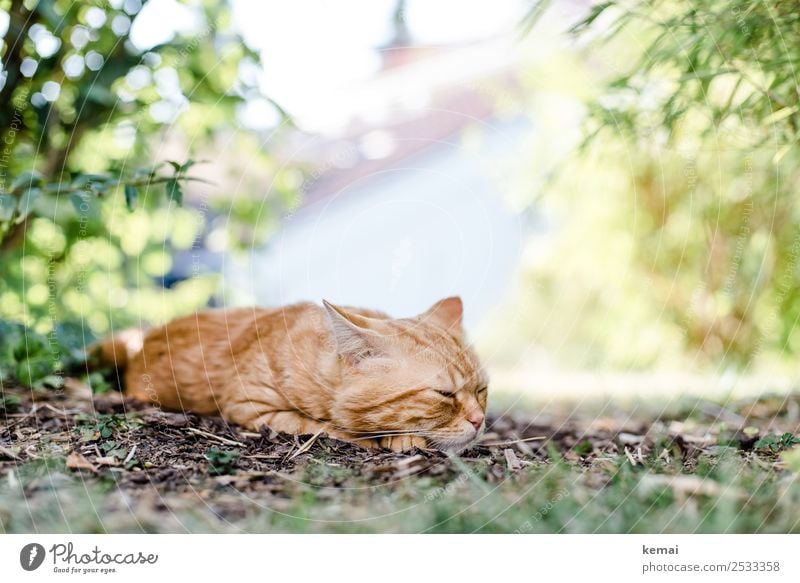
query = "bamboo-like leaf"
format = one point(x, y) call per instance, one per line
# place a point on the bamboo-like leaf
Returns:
point(131, 196)
point(779, 115)
point(26, 202)
point(26, 179)
point(85, 204)
point(174, 191)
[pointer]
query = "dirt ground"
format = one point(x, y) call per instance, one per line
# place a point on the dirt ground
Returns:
point(171, 447)
point(158, 457)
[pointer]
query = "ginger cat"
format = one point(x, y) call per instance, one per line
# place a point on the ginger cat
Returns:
point(356, 374)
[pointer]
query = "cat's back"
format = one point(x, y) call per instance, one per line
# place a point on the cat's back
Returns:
point(185, 363)
point(301, 326)
point(192, 362)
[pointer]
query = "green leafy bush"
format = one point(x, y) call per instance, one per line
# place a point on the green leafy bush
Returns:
point(677, 213)
point(91, 214)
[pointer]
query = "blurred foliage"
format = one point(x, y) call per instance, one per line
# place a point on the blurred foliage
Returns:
point(677, 236)
point(720, 70)
point(37, 360)
point(91, 216)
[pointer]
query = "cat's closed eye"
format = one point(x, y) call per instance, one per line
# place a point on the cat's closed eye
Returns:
point(446, 394)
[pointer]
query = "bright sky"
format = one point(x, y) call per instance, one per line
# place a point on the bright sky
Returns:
point(311, 48)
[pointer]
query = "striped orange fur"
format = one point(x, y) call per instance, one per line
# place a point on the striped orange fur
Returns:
point(354, 373)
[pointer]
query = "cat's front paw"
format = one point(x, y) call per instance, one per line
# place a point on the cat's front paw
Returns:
point(403, 442)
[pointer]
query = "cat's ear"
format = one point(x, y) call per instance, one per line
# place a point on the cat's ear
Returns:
point(354, 336)
point(447, 314)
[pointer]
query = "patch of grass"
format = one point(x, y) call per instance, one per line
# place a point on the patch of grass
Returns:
point(41, 468)
point(321, 474)
point(729, 492)
point(640, 475)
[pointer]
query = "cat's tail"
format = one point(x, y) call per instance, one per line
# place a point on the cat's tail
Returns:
point(116, 350)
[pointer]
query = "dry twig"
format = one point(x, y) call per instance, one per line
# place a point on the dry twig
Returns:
point(224, 440)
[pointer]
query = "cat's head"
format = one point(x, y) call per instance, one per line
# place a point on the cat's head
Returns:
point(413, 376)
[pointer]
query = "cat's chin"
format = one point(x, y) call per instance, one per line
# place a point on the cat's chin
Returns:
point(457, 448)
point(457, 445)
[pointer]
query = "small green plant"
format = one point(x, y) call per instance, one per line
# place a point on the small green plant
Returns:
point(104, 430)
point(777, 443)
point(221, 461)
point(113, 448)
point(132, 463)
point(103, 427)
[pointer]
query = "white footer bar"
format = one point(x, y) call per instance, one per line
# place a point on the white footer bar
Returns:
point(401, 558)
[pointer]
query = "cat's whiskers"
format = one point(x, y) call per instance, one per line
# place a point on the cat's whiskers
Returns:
point(393, 433)
point(441, 435)
point(387, 433)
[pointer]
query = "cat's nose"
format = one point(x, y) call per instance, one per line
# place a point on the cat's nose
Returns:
point(476, 419)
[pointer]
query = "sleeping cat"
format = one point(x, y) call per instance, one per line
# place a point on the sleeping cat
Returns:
point(356, 374)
